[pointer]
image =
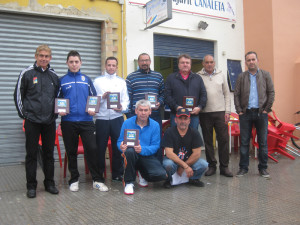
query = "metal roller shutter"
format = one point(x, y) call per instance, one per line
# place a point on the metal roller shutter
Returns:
point(20, 35)
point(172, 46)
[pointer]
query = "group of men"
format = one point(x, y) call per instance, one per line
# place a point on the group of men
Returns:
point(39, 85)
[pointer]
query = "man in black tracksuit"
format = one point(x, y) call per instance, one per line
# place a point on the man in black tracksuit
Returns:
point(34, 97)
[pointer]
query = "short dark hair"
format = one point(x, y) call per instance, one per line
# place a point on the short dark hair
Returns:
point(111, 58)
point(73, 53)
point(143, 54)
point(249, 53)
point(187, 56)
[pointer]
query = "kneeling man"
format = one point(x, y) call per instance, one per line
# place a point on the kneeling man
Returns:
point(182, 146)
point(142, 157)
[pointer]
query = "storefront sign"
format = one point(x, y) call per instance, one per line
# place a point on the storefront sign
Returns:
point(218, 9)
point(157, 12)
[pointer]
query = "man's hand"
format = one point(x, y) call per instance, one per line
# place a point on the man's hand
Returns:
point(241, 113)
point(91, 113)
point(62, 113)
point(156, 106)
point(123, 147)
point(189, 171)
point(104, 96)
point(265, 112)
point(138, 148)
point(196, 111)
point(227, 118)
point(118, 109)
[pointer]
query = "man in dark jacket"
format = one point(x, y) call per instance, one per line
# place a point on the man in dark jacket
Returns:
point(34, 96)
point(253, 99)
point(185, 83)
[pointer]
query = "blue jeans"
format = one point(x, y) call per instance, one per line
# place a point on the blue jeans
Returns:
point(194, 121)
point(198, 167)
point(260, 121)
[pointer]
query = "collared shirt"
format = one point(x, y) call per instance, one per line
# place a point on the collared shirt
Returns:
point(210, 75)
point(253, 96)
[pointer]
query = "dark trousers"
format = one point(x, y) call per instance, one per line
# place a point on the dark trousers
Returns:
point(260, 121)
point(86, 130)
point(149, 166)
point(32, 133)
point(208, 122)
point(104, 130)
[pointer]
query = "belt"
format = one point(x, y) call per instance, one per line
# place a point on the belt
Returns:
point(253, 109)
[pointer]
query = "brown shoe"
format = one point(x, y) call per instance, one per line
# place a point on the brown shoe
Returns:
point(226, 172)
point(211, 171)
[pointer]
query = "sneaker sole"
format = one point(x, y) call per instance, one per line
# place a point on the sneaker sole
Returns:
point(240, 175)
point(128, 193)
point(143, 185)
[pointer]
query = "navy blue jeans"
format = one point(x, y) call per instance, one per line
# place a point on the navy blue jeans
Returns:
point(260, 122)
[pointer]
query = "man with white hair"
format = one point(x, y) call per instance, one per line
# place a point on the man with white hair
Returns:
point(142, 156)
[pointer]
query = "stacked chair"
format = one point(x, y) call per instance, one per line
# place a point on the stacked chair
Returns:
point(279, 134)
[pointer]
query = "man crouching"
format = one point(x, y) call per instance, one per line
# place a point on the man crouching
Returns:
point(142, 156)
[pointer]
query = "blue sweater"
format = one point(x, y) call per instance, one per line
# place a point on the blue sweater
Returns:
point(149, 136)
point(140, 83)
point(76, 87)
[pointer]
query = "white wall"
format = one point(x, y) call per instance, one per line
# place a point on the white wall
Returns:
point(227, 40)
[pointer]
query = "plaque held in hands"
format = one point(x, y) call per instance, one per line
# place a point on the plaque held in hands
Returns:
point(189, 102)
point(113, 100)
point(131, 137)
point(62, 105)
point(152, 98)
point(93, 104)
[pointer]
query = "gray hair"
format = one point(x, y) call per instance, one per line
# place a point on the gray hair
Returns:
point(143, 102)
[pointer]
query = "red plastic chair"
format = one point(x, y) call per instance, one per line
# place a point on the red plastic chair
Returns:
point(56, 143)
point(234, 130)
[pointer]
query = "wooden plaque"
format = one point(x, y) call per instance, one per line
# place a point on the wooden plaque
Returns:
point(131, 137)
point(113, 100)
point(152, 98)
point(62, 105)
point(189, 102)
point(93, 104)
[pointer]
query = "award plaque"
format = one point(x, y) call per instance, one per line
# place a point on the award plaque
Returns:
point(152, 98)
point(189, 102)
point(93, 104)
point(131, 137)
point(62, 105)
point(113, 100)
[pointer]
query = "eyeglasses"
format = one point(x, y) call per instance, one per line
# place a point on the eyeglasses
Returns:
point(144, 60)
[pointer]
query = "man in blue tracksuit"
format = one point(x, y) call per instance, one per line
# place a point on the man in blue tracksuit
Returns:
point(76, 87)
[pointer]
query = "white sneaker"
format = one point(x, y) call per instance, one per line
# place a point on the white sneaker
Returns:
point(74, 186)
point(100, 186)
point(128, 190)
point(142, 182)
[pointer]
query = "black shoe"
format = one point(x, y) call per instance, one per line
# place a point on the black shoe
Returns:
point(211, 171)
point(264, 173)
point(31, 193)
point(196, 182)
point(52, 190)
point(119, 178)
point(167, 184)
point(241, 172)
point(226, 172)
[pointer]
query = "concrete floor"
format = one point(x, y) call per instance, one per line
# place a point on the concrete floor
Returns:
point(246, 200)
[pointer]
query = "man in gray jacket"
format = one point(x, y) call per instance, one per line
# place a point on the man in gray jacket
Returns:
point(215, 115)
point(253, 99)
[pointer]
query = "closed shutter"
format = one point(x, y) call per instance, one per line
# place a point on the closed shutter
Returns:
point(173, 46)
point(20, 35)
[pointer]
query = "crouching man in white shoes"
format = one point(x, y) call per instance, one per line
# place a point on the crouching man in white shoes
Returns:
point(142, 156)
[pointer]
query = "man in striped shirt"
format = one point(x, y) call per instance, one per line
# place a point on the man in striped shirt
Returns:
point(146, 81)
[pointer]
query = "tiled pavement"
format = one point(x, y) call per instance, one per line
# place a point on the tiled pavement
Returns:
point(246, 200)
